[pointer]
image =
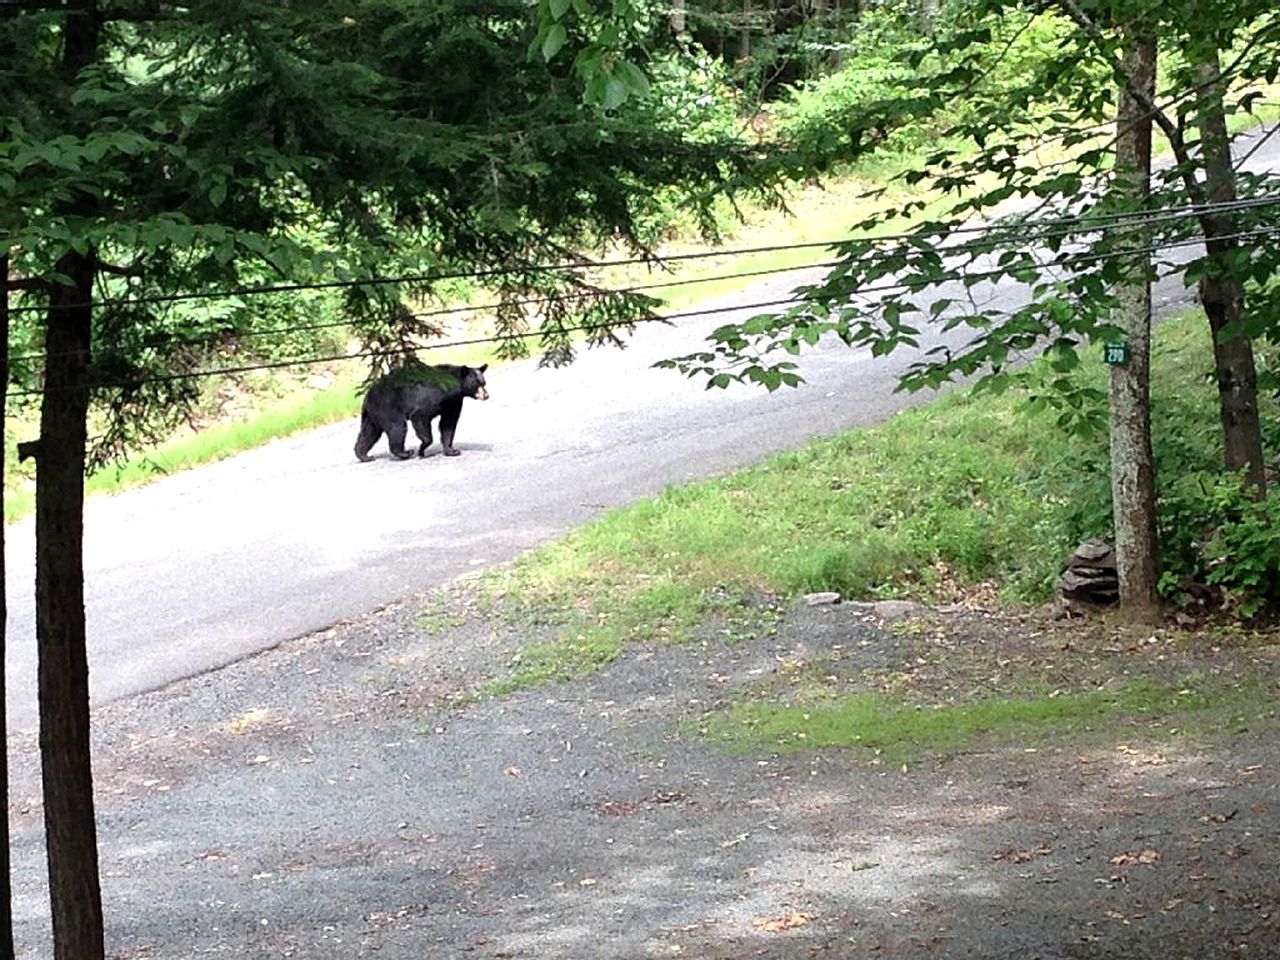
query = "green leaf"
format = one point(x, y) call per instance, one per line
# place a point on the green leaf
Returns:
point(559, 8)
point(615, 93)
point(554, 40)
point(634, 77)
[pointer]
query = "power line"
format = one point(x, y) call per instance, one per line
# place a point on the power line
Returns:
point(422, 278)
point(622, 324)
point(1058, 226)
point(1050, 230)
point(491, 306)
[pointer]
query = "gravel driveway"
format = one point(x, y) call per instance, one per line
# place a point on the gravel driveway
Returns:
point(335, 798)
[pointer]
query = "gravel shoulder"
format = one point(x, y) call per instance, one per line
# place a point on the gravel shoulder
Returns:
point(334, 797)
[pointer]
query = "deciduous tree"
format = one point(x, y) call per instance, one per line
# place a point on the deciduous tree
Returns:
point(1021, 151)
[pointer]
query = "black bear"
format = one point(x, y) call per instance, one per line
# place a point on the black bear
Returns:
point(415, 393)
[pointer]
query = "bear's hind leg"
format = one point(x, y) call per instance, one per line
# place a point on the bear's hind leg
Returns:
point(422, 427)
point(369, 434)
point(395, 439)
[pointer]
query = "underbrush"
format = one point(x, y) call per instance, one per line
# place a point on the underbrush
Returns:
point(971, 496)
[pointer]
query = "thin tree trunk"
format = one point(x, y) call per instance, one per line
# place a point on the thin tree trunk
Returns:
point(678, 18)
point(1221, 291)
point(63, 674)
point(63, 669)
point(6, 866)
point(1132, 463)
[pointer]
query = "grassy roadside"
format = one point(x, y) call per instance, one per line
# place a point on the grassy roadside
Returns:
point(966, 500)
point(965, 494)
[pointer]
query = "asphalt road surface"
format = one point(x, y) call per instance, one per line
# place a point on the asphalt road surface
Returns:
point(202, 568)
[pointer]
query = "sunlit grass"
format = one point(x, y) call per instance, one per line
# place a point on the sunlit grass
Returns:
point(299, 411)
point(891, 730)
point(968, 492)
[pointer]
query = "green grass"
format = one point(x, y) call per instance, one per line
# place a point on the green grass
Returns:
point(895, 731)
point(946, 490)
point(569, 657)
point(940, 500)
point(298, 412)
point(589, 638)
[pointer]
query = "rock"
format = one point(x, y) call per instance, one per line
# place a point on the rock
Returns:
point(1094, 551)
point(1091, 574)
point(821, 599)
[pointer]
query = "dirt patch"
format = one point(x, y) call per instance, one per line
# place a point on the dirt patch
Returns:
point(332, 798)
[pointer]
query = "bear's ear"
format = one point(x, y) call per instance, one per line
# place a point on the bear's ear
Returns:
point(484, 367)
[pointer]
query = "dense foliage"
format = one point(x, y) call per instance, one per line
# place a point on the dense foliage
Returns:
point(1011, 108)
point(249, 144)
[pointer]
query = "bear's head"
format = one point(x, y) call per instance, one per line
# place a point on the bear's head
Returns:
point(473, 382)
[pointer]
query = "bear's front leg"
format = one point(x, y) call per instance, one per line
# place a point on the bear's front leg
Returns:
point(448, 424)
point(446, 441)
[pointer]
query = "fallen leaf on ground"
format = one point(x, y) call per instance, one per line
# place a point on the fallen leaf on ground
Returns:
point(1142, 856)
point(1219, 817)
point(667, 796)
point(781, 924)
point(1014, 855)
point(619, 808)
point(1143, 756)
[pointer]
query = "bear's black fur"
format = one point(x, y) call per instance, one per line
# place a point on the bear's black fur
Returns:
point(416, 393)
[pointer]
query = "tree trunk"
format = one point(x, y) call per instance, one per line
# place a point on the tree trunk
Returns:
point(1132, 464)
point(63, 669)
point(1222, 293)
point(6, 866)
point(678, 17)
point(63, 674)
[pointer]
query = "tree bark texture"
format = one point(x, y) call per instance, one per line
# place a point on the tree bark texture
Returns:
point(1222, 293)
point(1132, 463)
point(6, 866)
point(678, 17)
point(63, 669)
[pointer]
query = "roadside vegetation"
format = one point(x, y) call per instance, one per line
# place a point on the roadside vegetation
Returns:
point(895, 729)
point(969, 502)
point(969, 492)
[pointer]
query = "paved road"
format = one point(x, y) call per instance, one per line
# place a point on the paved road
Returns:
point(202, 568)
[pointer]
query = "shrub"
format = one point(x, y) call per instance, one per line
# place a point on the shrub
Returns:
point(1213, 531)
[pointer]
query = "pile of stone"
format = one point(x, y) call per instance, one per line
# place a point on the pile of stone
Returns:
point(1091, 574)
